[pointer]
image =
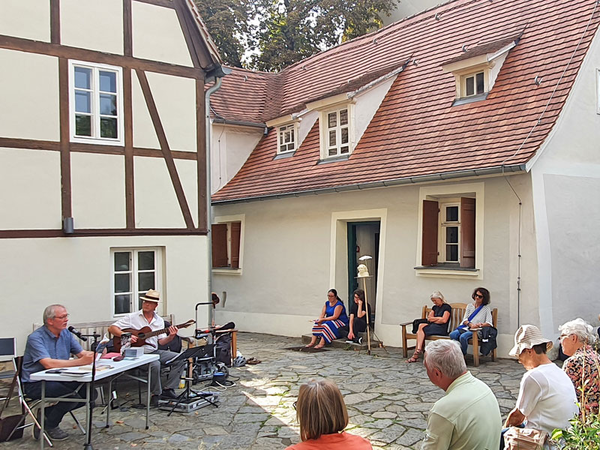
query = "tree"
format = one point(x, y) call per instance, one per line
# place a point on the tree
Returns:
point(227, 21)
point(270, 35)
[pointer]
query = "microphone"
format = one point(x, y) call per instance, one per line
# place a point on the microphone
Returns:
point(77, 333)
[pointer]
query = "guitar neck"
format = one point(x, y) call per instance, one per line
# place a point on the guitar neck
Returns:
point(164, 330)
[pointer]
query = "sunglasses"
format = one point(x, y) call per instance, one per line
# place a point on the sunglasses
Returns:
point(477, 296)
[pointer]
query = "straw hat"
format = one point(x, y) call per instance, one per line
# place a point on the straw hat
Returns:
point(151, 296)
point(526, 337)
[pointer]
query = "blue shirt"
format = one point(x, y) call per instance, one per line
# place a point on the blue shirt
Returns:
point(42, 343)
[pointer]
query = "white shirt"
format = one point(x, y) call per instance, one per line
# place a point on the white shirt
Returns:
point(137, 321)
point(483, 316)
point(547, 398)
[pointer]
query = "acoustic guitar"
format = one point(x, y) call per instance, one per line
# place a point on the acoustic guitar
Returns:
point(145, 333)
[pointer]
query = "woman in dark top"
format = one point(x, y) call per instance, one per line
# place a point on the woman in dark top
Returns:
point(437, 324)
point(358, 315)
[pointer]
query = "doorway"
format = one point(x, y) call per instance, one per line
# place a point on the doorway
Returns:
point(363, 240)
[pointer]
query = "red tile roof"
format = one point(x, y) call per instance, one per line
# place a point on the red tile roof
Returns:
point(416, 131)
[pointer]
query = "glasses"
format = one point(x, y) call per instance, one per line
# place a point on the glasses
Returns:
point(330, 295)
point(478, 296)
point(63, 317)
point(563, 336)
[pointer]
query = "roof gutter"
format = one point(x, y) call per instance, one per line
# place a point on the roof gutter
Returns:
point(499, 170)
point(239, 123)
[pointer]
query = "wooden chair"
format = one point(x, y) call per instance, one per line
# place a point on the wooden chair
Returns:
point(456, 317)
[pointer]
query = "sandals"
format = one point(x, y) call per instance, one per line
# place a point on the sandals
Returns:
point(415, 357)
point(253, 361)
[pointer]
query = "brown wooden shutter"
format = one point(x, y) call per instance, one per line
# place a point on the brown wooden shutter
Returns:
point(219, 245)
point(236, 228)
point(467, 232)
point(430, 233)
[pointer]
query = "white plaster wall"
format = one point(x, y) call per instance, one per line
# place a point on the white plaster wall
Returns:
point(168, 45)
point(175, 99)
point(367, 104)
point(98, 190)
point(29, 19)
point(288, 261)
point(29, 96)
point(188, 174)
point(144, 134)
point(30, 189)
point(231, 146)
point(407, 8)
point(92, 24)
point(156, 204)
point(77, 273)
point(566, 177)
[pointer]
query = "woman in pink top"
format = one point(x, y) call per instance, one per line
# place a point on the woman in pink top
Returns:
point(322, 414)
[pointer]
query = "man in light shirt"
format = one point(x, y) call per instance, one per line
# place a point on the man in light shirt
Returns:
point(468, 416)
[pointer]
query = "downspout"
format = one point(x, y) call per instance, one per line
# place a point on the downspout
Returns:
point(214, 88)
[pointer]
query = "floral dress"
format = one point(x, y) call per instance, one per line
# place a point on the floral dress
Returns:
point(583, 368)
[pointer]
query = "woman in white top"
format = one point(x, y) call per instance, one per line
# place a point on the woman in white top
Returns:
point(477, 315)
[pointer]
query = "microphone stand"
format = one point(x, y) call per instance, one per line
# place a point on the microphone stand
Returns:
point(88, 438)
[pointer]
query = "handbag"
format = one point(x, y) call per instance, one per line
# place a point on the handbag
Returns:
point(524, 439)
point(416, 324)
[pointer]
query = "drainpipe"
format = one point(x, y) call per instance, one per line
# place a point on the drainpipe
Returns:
point(218, 79)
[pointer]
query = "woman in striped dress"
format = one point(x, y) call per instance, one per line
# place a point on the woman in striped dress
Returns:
point(332, 318)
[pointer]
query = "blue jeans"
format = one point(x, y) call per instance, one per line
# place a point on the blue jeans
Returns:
point(463, 337)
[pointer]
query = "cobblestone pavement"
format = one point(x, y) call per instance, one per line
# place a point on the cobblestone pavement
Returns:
point(388, 401)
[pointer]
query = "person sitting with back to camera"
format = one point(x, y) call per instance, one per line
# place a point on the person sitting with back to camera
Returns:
point(436, 323)
point(358, 316)
point(477, 315)
point(333, 317)
point(322, 415)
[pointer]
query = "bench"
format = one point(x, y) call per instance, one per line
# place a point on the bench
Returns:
point(458, 312)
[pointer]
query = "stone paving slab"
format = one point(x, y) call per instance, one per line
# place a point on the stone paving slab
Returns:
point(387, 399)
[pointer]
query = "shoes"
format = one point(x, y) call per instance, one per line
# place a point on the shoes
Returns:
point(56, 434)
point(349, 341)
point(359, 341)
point(168, 394)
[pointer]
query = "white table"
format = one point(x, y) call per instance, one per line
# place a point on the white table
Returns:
point(118, 368)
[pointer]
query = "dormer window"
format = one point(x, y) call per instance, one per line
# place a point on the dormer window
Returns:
point(287, 138)
point(337, 132)
point(475, 70)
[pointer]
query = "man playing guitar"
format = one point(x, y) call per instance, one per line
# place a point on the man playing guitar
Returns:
point(147, 317)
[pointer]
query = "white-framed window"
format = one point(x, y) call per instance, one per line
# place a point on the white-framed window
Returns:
point(449, 232)
point(336, 134)
point(96, 103)
point(473, 84)
point(134, 272)
point(287, 138)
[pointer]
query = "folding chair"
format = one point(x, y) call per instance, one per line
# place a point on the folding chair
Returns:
point(8, 351)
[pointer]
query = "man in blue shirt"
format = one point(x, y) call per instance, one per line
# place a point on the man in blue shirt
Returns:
point(51, 347)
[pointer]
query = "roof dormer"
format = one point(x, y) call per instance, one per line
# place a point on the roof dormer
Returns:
point(475, 71)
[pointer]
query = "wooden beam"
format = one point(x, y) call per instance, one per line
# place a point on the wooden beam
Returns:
point(64, 51)
point(55, 21)
point(164, 145)
point(164, 3)
point(54, 233)
point(201, 155)
point(127, 28)
point(65, 155)
point(193, 38)
point(182, 16)
point(80, 147)
point(129, 172)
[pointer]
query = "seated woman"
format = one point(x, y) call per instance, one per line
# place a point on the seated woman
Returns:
point(358, 315)
point(477, 315)
point(583, 364)
point(322, 414)
point(332, 318)
point(437, 323)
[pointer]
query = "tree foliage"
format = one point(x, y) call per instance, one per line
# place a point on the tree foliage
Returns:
point(278, 33)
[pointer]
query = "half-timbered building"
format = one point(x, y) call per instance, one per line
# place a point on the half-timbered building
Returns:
point(102, 157)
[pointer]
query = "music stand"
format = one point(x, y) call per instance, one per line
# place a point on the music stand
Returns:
point(189, 394)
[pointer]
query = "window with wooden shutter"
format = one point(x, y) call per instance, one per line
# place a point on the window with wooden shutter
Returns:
point(430, 233)
point(219, 245)
point(236, 228)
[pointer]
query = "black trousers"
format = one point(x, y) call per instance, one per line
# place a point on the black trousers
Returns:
point(55, 414)
point(359, 325)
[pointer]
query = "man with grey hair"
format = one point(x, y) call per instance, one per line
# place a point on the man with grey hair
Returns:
point(51, 347)
point(468, 416)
